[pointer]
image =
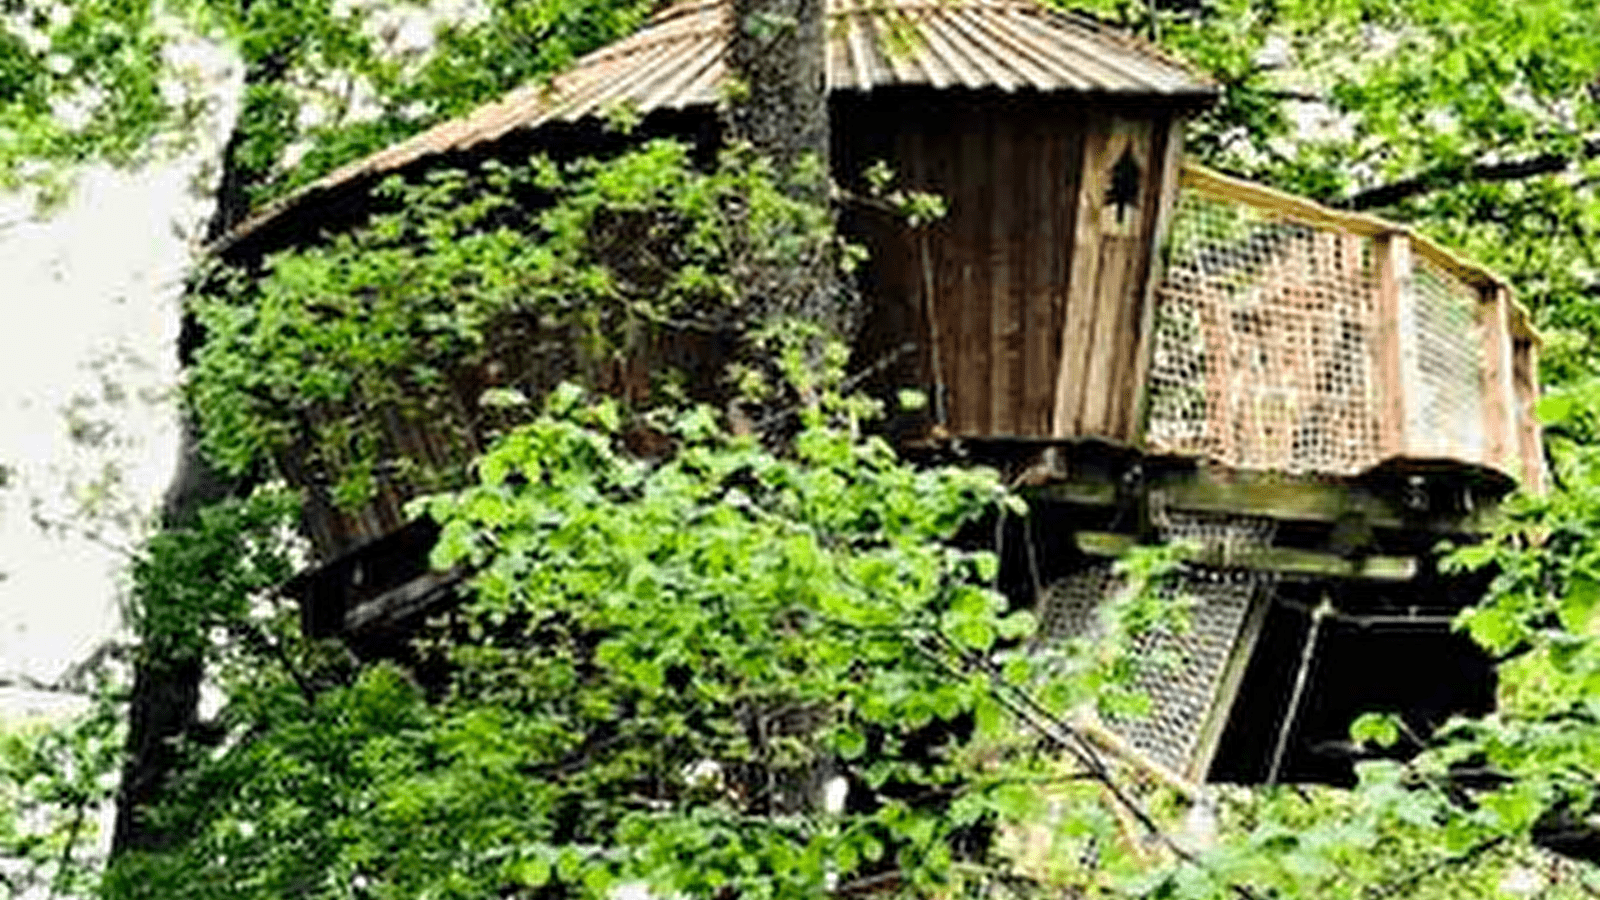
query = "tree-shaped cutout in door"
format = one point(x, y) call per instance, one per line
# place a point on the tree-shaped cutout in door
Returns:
point(1122, 189)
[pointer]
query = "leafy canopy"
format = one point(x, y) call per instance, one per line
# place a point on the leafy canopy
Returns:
point(473, 297)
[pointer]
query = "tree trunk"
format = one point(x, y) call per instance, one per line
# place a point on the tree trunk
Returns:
point(164, 706)
point(776, 56)
point(779, 105)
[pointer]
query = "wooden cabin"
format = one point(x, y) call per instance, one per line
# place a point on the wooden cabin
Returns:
point(1312, 399)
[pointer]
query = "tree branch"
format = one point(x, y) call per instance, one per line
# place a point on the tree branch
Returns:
point(1399, 886)
point(1037, 717)
point(62, 864)
point(1445, 176)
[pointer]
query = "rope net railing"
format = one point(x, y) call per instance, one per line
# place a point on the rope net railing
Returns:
point(1263, 342)
point(1291, 338)
point(1449, 364)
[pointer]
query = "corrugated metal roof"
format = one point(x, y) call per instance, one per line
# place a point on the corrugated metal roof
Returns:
point(676, 62)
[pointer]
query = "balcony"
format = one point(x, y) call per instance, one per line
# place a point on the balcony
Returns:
point(1288, 337)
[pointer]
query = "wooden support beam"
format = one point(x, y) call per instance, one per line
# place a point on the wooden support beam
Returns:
point(1081, 493)
point(1285, 560)
point(1499, 392)
point(1171, 156)
point(416, 596)
point(1273, 498)
point(1089, 725)
point(1397, 351)
point(1289, 501)
point(1530, 445)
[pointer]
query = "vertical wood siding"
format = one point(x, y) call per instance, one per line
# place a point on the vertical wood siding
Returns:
point(1035, 281)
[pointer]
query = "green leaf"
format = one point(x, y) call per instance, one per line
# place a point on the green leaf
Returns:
point(849, 743)
point(1020, 624)
point(1578, 605)
point(1554, 409)
point(1382, 729)
point(972, 633)
point(531, 872)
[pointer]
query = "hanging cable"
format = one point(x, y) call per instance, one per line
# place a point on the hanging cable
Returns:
point(1307, 653)
point(941, 415)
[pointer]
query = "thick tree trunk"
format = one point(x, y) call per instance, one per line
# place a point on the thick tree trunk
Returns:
point(165, 701)
point(776, 56)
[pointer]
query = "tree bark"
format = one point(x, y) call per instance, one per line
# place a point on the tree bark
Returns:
point(164, 705)
point(779, 106)
point(776, 55)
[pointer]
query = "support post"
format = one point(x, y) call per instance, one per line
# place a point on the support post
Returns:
point(1396, 345)
point(1307, 654)
point(1499, 394)
point(1171, 163)
point(1525, 381)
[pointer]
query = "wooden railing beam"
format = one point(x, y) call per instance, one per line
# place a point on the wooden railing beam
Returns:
point(1499, 393)
point(1396, 348)
point(1525, 381)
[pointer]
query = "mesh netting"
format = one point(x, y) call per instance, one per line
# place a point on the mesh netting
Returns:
point(1218, 534)
point(1449, 370)
point(1184, 668)
point(1263, 354)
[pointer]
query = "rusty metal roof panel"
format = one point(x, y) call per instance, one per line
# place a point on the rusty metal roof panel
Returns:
point(676, 62)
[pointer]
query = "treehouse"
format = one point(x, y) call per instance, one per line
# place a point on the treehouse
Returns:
point(1311, 399)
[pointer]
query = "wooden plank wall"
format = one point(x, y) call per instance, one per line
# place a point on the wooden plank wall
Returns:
point(1098, 384)
point(998, 261)
point(1027, 300)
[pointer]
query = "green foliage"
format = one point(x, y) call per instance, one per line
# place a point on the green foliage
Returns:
point(191, 583)
point(658, 657)
point(56, 777)
point(659, 667)
point(508, 280)
point(326, 81)
point(342, 51)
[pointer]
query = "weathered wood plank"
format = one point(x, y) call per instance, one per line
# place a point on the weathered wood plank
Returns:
point(1124, 390)
point(1120, 248)
point(1530, 446)
point(939, 163)
point(1286, 560)
point(1080, 294)
point(1005, 251)
point(972, 371)
point(1041, 195)
point(1396, 345)
point(1064, 214)
point(1499, 390)
point(1170, 154)
point(1120, 230)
